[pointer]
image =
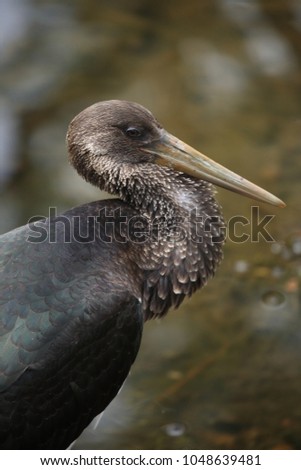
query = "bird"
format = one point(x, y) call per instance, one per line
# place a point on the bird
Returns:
point(77, 288)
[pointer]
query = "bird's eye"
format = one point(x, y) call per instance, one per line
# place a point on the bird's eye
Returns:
point(133, 132)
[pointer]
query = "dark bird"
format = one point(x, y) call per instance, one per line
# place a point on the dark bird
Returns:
point(76, 289)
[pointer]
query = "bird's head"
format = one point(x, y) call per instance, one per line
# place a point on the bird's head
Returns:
point(111, 135)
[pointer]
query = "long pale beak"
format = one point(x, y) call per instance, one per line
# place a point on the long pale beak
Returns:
point(170, 151)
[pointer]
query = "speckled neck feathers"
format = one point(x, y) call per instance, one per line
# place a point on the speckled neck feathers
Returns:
point(185, 235)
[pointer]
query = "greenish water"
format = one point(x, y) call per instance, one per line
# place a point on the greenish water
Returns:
point(224, 370)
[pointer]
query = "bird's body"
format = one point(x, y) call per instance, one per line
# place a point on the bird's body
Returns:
point(75, 290)
point(67, 341)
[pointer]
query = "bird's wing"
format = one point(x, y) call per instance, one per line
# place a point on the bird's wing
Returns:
point(34, 304)
point(45, 294)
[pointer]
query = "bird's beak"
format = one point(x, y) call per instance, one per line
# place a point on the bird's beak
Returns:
point(170, 151)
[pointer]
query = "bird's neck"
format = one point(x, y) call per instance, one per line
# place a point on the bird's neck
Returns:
point(183, 244)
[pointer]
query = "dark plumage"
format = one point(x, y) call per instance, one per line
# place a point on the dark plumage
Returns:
point(76, 289)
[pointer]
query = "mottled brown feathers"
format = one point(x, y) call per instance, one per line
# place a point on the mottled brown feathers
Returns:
point(183, 221)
